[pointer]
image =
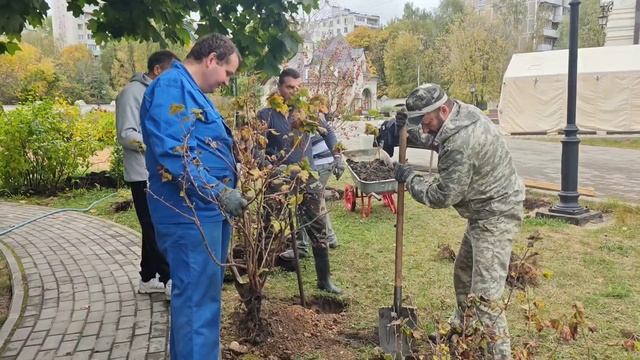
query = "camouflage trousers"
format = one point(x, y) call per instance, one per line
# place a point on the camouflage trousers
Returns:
point(312, 214)
point(481, 269)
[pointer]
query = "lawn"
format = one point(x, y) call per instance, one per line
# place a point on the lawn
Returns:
point(614, 142)
point(596, 265)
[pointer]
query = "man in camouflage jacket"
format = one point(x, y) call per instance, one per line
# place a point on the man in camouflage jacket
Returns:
point(476, 176)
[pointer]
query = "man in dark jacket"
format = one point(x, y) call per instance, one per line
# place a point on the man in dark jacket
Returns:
point(282, 145)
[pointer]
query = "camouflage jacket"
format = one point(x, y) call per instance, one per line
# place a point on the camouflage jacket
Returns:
point(476, 173)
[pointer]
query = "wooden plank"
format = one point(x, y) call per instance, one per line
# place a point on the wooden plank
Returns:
point(544, 185)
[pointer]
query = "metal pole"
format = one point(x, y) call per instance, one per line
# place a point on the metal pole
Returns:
point(570, 142)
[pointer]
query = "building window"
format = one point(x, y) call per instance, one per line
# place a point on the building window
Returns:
point(80, 26)
point(330, 22)
point(345, 21)
point(359, 18)
point(81, 37)
point(338, 31)
point(345, 30)
point(89, 37)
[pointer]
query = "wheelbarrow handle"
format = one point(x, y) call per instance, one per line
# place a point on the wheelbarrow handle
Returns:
point(397, 283)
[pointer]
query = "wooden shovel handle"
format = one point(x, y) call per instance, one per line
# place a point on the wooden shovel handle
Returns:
point(397, 284)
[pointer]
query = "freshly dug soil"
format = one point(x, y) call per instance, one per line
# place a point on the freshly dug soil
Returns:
point(92, 180)
point(535, 203)
point(294, 331)
point(375, 170)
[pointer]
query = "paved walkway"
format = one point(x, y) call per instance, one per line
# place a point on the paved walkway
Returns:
point(613, 173)
point(81, 274)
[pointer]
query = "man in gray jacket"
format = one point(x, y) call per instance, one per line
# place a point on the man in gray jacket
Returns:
point(154, 270)
point(476, 176)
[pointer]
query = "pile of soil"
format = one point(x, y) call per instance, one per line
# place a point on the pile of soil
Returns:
point(375, 170)
point(535, 203)
point(295, 330)
point(93, 180)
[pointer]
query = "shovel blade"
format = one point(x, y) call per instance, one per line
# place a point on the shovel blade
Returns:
point(392, 337)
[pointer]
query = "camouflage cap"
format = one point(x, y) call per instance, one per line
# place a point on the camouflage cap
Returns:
point(423, 99)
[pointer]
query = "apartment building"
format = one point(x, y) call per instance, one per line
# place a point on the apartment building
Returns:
point(69, 30)
point(330, 20)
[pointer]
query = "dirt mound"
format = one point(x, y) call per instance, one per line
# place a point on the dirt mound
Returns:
point(92, 180)
point(295, 331)
point(375, 170)
point(535, 203)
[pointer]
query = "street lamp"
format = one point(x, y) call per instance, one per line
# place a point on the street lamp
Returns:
point(605, 8)
point(472, 90)
point(569, 209)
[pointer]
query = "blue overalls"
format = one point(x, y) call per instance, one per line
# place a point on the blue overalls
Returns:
point(174, 107)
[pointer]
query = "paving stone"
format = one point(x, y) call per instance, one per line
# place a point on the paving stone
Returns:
point(86, 343)
point(36, 338)
point(104, 343)
point(82, 303)
point(66, 348)
point(13, 348)
point(120, 350)
point(51, 342)
point(28, 353)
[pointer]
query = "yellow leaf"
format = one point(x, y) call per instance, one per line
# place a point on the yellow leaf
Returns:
point(176, 108)
point(547, 274)
point(198, 113)
point(166, 176)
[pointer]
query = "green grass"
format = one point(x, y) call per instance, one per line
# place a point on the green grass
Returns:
point(5, 289)
point(614, 142)
point(595, 265)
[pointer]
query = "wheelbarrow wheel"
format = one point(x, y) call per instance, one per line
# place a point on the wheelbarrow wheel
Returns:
point(350, 197)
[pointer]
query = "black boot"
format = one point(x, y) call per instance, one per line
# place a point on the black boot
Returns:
point(321, 258)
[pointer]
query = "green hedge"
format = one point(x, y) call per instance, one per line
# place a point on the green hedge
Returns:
point(43, 143)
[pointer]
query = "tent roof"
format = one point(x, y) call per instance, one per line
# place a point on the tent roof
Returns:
point(590, 60)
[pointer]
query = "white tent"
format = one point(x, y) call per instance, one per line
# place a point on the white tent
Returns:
point(534, 91)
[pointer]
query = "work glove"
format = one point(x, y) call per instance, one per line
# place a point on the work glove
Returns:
point(232, 202)
point(401, 119)
point(338, 166)
point(402, 172)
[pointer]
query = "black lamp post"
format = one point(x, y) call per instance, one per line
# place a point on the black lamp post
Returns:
point(569, 208)
point(605, 8)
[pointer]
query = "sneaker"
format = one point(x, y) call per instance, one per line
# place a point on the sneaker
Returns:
point(167, 290)
point(152, 286)
point(333, 244)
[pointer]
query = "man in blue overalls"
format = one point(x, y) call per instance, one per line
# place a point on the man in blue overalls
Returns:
point(192, 180)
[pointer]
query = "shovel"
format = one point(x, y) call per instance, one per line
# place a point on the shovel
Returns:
point(394, 321)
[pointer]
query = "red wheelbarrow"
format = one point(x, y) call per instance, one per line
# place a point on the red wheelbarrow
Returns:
point(384, 190)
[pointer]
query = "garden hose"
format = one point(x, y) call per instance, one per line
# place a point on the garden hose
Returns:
point(17, 226)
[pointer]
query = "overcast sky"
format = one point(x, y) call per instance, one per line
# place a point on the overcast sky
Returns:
point(386, 9)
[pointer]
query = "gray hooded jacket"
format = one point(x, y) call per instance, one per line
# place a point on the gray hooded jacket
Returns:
point(128, 129)
point(476, 172)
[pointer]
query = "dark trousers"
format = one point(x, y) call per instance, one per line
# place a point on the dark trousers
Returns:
point(152, 261)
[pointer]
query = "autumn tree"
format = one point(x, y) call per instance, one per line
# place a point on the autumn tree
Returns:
point(373, 41)
point(27, 75)
point(473, 53)
point(260, 29)
point(82, 76)
point(591, 34)
point(512, 21)
point(403, 57)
